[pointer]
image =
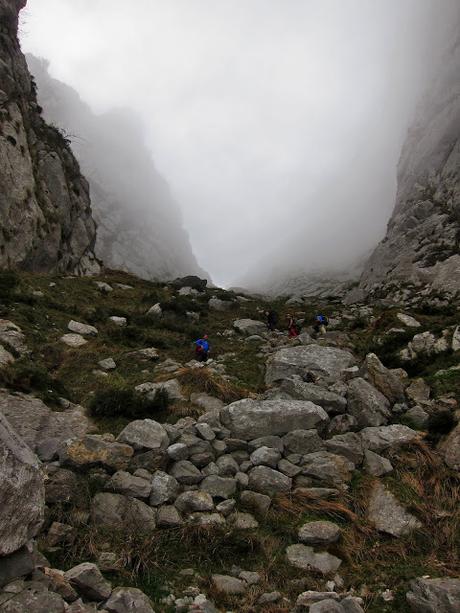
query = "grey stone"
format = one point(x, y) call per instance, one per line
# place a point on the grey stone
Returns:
point(227, 465)
point(87, 579)
point(168, 517)
point(145, 434)
point(302, 441)
point(127, 600)
point(107, 364)
point(171, 387)
point(450, 449)
point(249, 419)
point(83, 329)
point(418, 391)
point(177, 451)
point(226, 507)
point(164, 488)
point(348, 445)
point(34, 598)
point(381, 438)
point(121, 322)
point(417, 416)
point(215, 304)
point(194, 501)
point(341, 424)
point(120, 512)
point(367, 404)
point(129, 485)
point(327, 606)
point(250, 327)
point(384, 380)
point(267, 481)
point(255, 501)
point(61, 486)
point(376, 465)
point(352, 604)
point(229, 585)
point(22, 491)
point(388, 515)
point(73, 340)
point(289, 469)
point(18, 564)
point(305, 558)
point(265, 456)
point(243, 521)
point(328, 468)
point(205, 431)
point(92, 450)
point(319, 533)
point(219, 487)
point(300, 390)
point(274, 442)
point(440, 595)
point(326, 362)
point(306, 599)
point(186, 473)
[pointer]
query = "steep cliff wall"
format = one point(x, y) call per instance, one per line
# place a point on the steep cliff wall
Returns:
point(139, 223)
point(420, 254)
point(45, 213)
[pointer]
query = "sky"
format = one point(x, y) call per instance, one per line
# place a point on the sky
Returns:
point(277, 123)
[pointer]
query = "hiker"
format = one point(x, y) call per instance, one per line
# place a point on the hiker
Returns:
point(320, 325)
point(293, 330)
point(272, 319)
point(202, 349)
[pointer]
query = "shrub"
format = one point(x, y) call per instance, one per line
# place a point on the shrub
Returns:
point(440, 424)
point(24, 376)
point(118, 401)
point(9, 281)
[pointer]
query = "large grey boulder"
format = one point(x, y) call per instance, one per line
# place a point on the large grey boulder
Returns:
point(61, 486)
point(387, 513)
point(328, 468)
point(186, 473)
point(305, 558)
point(367, 404)
point(300, 390)
point(164, 488)
point(325, 362)
point(303, 441)
point(120, 512)
point(83, 329)
point(42, 429)
point(87, 579)
point(129, 485)
point(194, 501)
point(381, 438)
point(450, 449)
point(249, 419)
point(441, 595)
point(229, 585)
point(16, 565)
point(34, 597)
point(22, 492)
point(93, 450)
point(12, 337)
point(348, 445)
point(248, 327)
point(219, 487)
point(128, 600)
point(145, 434)
point(268, 481)
point(385, 380)
point(321, 533)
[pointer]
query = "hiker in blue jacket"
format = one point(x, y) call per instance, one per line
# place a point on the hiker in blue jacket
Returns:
point(202, 349)
point(320, 325)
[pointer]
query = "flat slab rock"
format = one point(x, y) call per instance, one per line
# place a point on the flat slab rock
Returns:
point(326, 362)
point(319, 533)
point(249, 419)
point(380, 438)
point(387, 513)
point(228, 584)
point(441, 595)
point(305, 558)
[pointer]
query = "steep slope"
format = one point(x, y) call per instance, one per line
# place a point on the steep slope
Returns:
point(420, 255)
point(139, 223)
point(45, 213)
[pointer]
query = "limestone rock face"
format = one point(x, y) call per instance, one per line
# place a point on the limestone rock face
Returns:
point(22, 491)
point(420, 250)
point(44, 199)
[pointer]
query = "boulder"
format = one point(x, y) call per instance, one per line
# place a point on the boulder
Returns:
point(219, 487)
point(268, 481)
point(243, 521)
point(384, 380)
point(325, 362)
point(61, 486)
point(321, 533)
point(5, 357)
point(18, 564)
point(128, 600)
point(12, 337)
point(92, 450)
point(367, 404)
point(193, 501)
point(22, 492)
point(42, 429)
point(229, 585)
point(376, 465)
point(119, 512)
point(450, 449)
point(348, 445)
point(34, 598)
point(164, 488)
point(191, 281)
point(302, 441)
point(417, 417)
point(408, 320)
point(328, 468)
point(456, 339)
point(387, 513)
point(73, 340)
point(171, 387)
point(206, 402)
point(186, 473)
point(145, 434)
point(440, 595)
point(305, 558)
point(84, 329)
point(248, 419)
point(418, 391)
point(87, 579)
point(327, 606)
point(250, 327)
point(255, 501)
point(129, 485)
point(121, 322)
point(265, 456)
point(169, 517)
point(300, 390)
point(381, 438)
point(107, 364)
point(215, 304)
point(155, 310)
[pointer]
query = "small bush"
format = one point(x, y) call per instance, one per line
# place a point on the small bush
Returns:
point(126, 402)
point(24, 376)
point(439, 424)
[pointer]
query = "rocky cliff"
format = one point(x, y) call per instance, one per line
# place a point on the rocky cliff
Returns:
point(419, 255)
point(45, 212)
point(139, 223)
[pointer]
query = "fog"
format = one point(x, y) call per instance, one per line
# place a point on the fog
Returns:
point(277, 123)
